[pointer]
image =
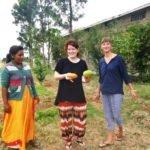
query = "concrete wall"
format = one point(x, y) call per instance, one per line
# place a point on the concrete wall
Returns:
point(122, 22)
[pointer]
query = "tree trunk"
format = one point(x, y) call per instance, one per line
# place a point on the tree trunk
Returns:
point(70, 18)
point(49, 54)
point(30, 56)
point(42, 36)
point(43, 53)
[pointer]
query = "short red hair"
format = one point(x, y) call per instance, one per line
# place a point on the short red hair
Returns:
point(73, 43)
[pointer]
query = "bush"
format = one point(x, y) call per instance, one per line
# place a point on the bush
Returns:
point(40, 70)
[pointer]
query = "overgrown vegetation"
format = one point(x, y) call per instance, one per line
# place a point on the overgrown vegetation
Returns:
point(140, 46)
point(40, 69)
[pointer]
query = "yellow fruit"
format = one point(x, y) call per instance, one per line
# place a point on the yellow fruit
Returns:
point(72, 75)
point(88, 73)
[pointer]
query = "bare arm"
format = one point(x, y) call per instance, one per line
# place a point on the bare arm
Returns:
point(4, 95)
point(98, 90)
point(59, 76)
point(133, 92)
point(130, 86)
point(7, 108)
point(97, 96)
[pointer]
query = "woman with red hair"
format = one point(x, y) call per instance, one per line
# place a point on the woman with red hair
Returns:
point(70, 96)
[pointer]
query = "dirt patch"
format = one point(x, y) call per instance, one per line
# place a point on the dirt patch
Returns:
point(145, 108)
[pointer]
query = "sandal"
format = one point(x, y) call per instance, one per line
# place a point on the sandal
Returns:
point(80, 142)
point(68, 145)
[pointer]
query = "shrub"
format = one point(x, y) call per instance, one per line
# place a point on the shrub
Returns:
point(40, 69)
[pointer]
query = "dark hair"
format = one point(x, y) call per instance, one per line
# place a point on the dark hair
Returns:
point(73, 43)
point(12, 52)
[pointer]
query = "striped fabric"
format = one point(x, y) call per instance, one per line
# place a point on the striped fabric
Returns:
point(15, 80)
point(73, 119)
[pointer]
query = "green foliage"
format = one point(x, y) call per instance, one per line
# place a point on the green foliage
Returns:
point(121, 45)
point(93, 111)
point(89, 45)
point(68, 11)
point(25, 12)
point(140, 44)
point(42, 91)
point(40, 69)
point(47, 116)
point(143, 91)
point(58, 48)
point(36, 19)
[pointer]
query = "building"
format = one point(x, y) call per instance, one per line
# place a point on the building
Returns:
point(138, 15)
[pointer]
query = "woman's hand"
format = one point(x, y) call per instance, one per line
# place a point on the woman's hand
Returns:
point(37, 100)
point(97, 97)
point(86, 79)
point(133, 94)
point(7, 108)
point(67, 78)
point(6, 105)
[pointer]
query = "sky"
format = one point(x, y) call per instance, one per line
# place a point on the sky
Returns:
point(95, 10)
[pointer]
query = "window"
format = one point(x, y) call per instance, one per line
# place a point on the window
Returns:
point(139, 15)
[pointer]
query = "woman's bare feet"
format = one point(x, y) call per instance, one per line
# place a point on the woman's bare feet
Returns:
point(110, 137)
point(109, 141)
point(106, 143)
point(119, 135)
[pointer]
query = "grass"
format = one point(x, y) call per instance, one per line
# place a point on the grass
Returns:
point(136, 117)
point(42, 90)
point(92, 111)
point(46, 116)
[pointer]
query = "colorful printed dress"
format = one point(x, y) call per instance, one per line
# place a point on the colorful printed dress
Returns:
point(18, 126)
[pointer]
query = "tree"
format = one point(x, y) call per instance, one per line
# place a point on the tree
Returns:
point(52, 36)
point(40, 69)
point(25, 14)
point(68, 11)
point(36, 19)
point(140, 43)
point(44, 15)
point(57, 48)
point(89, 45)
